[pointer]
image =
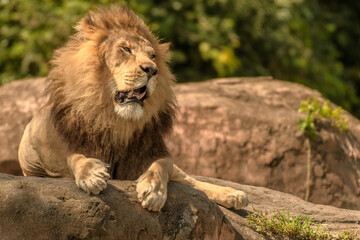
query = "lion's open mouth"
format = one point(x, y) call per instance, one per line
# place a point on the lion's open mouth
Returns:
point(137, 95)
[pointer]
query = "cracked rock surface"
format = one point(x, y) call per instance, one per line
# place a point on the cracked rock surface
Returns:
point(245, 130)
point(49, 208)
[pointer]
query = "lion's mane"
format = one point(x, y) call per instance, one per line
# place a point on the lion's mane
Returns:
point(81, 110)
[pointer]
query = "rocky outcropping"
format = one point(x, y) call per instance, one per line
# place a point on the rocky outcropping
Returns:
point(245, 130)
point(49, 208)
point(19, 101)
point(240, 129)
point(45, 208)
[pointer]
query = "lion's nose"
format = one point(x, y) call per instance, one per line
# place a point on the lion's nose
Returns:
point(150, 70)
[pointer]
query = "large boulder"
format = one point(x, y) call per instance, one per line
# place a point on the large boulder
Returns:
point(50, 208)
point(19, 101)
point(245, 130)
point(45, 208)
point(238, 129)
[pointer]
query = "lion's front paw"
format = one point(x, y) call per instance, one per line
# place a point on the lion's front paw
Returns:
point(234, 199)
point(92, 175)
point(152, 193)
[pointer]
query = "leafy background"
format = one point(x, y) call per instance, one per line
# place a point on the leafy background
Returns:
point(312, 42)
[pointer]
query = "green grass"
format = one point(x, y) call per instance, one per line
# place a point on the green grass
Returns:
point(282, 224)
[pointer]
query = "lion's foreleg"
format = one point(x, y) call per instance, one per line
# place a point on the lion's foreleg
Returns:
point(225, 196)
point(90, 174)
point(152, 185)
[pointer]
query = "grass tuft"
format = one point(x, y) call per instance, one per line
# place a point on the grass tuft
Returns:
point(281, 224)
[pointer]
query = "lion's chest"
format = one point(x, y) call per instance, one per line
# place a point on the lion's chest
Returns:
point(130, 161)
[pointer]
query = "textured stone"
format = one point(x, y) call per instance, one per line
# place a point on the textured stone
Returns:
point(50, 208)
point(19, 101)
point(238, 129)
point(245, 130)
point(335, 220)
point(45, 208)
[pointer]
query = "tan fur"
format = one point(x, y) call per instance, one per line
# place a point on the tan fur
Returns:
point(84, 133)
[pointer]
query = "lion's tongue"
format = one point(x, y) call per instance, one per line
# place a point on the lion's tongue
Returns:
point(136, 93)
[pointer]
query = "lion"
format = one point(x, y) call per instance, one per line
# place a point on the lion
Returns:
point(110, 104)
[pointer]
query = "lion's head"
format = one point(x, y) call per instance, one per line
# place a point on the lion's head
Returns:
point(112, 68)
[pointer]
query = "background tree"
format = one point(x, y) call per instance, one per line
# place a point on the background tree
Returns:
point(312, 42)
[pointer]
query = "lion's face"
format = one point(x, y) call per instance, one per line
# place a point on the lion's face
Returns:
point(130, 61)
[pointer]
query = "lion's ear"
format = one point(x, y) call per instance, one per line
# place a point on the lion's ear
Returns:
point(164, 50)
point(90, 27)
point(86, 25)
point(165, 47)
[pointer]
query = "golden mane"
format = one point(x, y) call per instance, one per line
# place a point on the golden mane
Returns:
point(81, 110)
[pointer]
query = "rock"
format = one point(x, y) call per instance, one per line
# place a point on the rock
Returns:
point(238, 129)
point(335, 220)
point(45, 208)
point(50, 208)
point(10, 166)
point(19, 101)
point(245, 130)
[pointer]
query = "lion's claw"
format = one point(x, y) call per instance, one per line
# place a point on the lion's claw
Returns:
point(92, 176)
point(234, 199)
point(151, 193)
point(103, 175)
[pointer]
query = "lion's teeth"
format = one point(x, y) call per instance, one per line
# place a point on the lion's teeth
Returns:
point(141, 95)
point(130, 94)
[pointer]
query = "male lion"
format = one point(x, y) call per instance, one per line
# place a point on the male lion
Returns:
point(110, 105)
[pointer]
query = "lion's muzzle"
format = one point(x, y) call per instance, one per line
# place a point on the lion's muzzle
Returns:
point(136, 95)
point(149, 69)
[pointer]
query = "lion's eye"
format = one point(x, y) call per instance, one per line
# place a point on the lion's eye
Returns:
point(126, 49)
point(153, 56)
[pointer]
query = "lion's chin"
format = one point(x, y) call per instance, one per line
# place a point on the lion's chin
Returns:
point(130, 111)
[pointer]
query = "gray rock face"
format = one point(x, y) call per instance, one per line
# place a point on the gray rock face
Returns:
point(49, 208)
point(240, 129)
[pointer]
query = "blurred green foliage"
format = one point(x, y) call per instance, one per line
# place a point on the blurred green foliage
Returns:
point(315, 112)
point(312, 42)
